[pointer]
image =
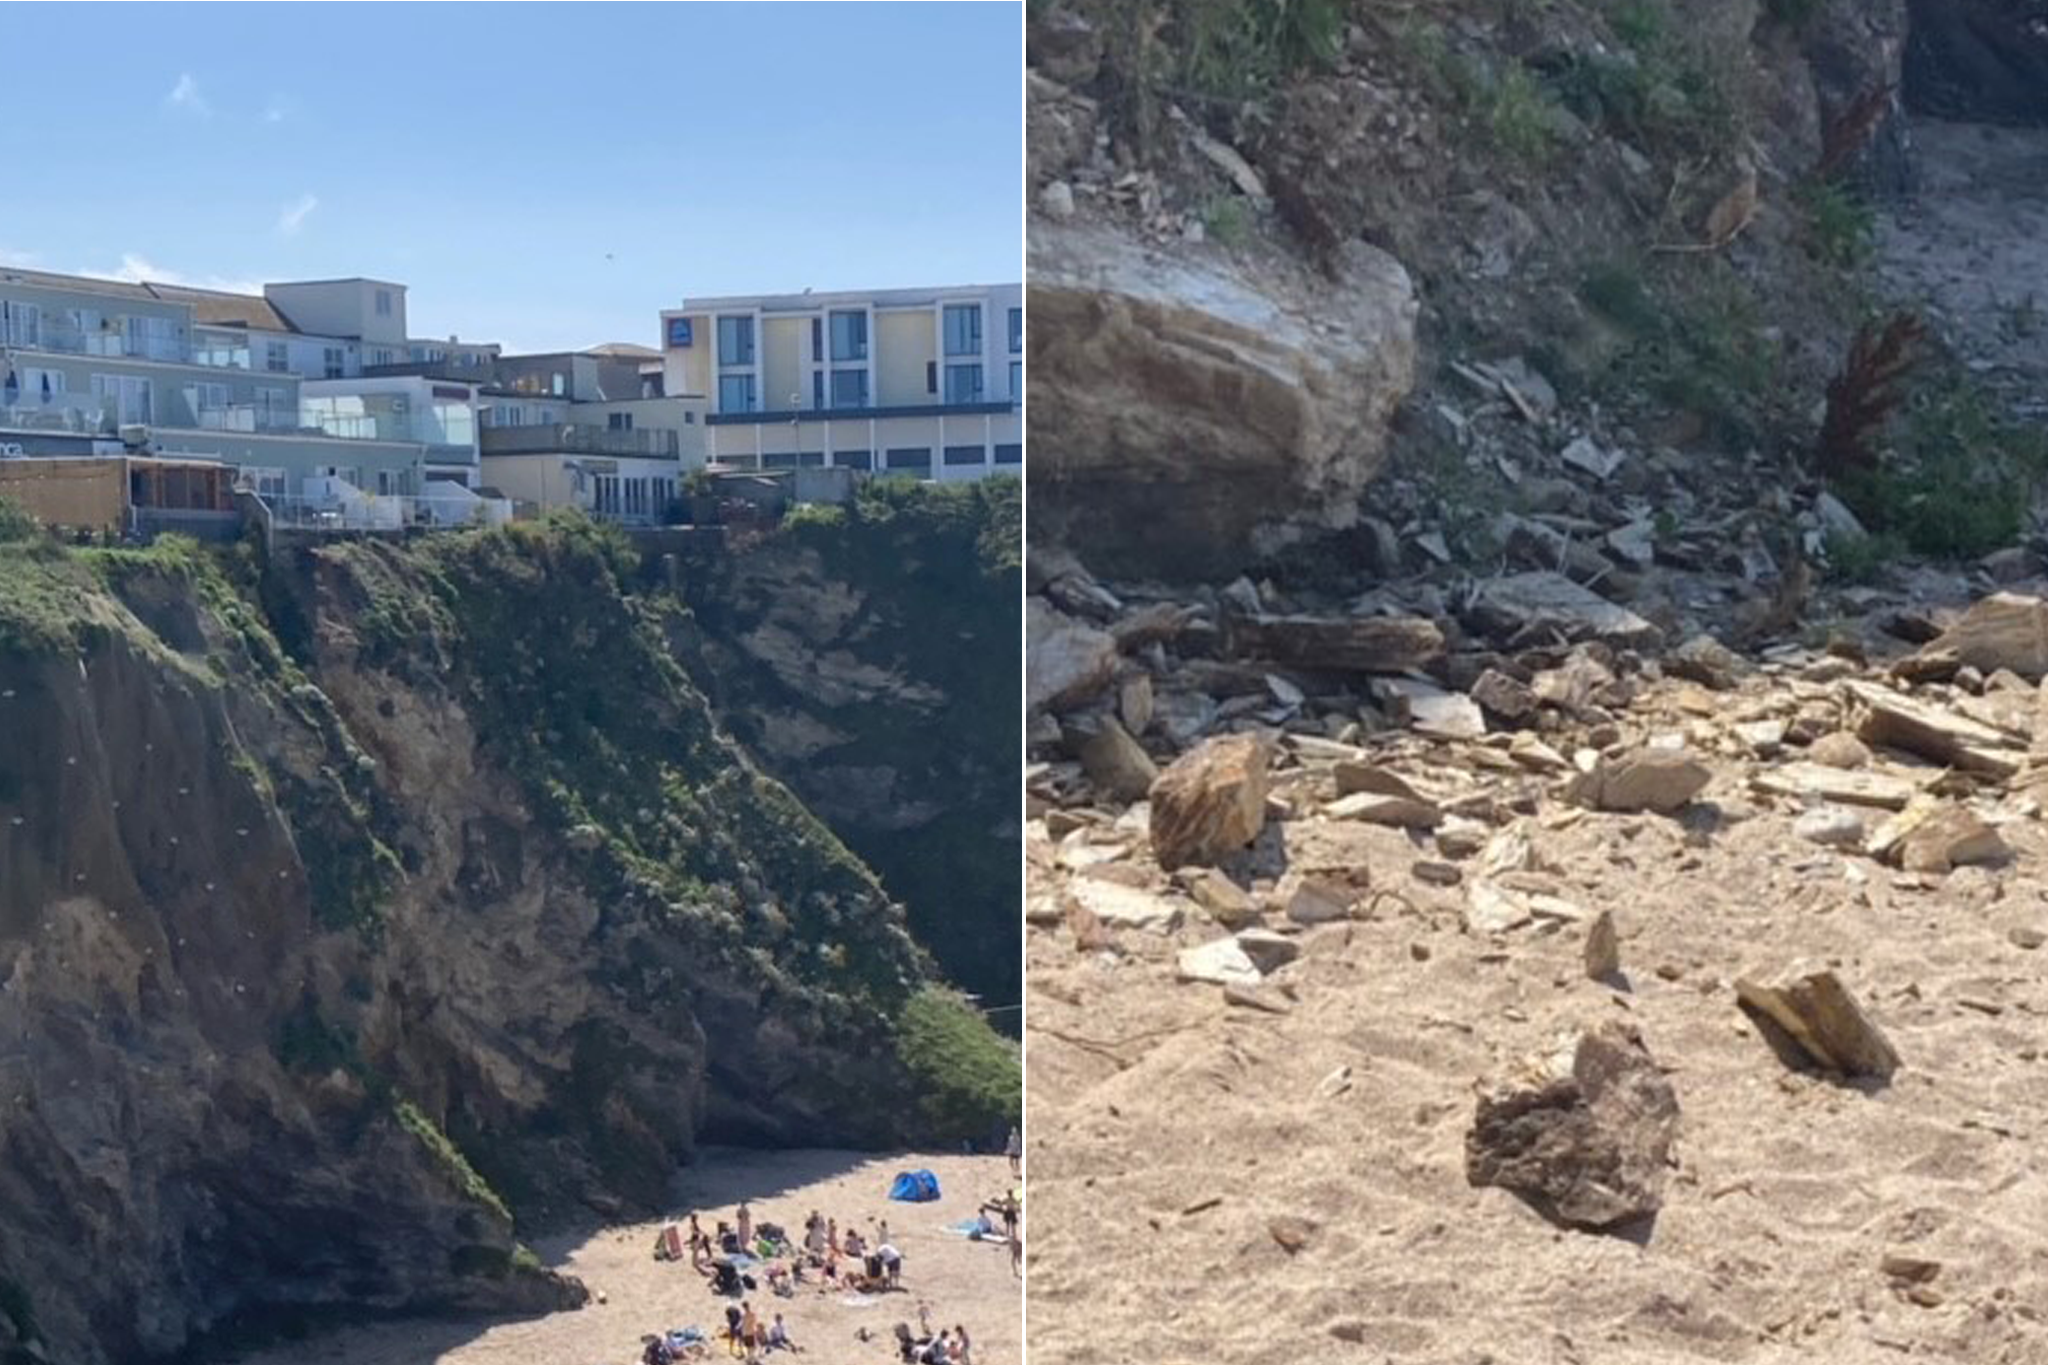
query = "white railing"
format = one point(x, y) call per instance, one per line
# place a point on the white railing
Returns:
point(78, 413)
point(381, 512)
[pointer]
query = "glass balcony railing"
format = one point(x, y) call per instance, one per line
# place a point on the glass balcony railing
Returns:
point(579, 439)
point(104, 341)
point(77, 413)
point(246, 417)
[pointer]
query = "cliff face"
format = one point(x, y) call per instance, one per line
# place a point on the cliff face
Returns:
point(869, 658)
point(351, 911)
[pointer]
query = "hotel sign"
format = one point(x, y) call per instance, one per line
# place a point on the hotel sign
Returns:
point(679, 332)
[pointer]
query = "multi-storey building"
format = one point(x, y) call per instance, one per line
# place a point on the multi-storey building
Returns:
point(581, 429)
point(97, 366)
point(924, 382)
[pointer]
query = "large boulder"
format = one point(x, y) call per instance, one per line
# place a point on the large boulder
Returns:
point(1191, 411)
point(1211, 802)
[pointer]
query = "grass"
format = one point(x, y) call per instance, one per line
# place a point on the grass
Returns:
point(1696, 343)
point(1661, 90)
point(448, 1157)
point(1240, 49)
point(1841, 226)
point(969, 1080)
point(1858, 559)
point(1226, 221)
point(1961, 477)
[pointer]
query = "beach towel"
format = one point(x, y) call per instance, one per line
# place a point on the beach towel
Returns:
point(915, 1187)
point(860, 1300)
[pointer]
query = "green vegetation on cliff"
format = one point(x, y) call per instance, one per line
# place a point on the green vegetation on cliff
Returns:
point(935, 571)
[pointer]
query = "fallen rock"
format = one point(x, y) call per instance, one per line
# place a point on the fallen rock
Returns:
point(1830, 827)
point(1706, 661)
point(1910, 1269)
point(1210, 802)
point(1065, 661)
point(1586, 454)
point(1446, 716)
point(1117, 765)
point(1193, 410)
point(1379, 808)
point(1503, 696)
point(1906, 723)
point(1343, 644)
point(1931, 836)
point(1220, 963)
point(1125, 907)
point(1660, 780)
point(1134, 703)
point(1223, 898)
point(1603, 947)
point(1817, 1012)
point(1268, 951)
point(1812, 781)
point(1585, 1134)
point(1543, 606)
point(1839, 750)
point(1319, 902)
point(2025, 937)
point(2004, 630)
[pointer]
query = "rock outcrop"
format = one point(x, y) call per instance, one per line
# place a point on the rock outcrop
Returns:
point(1191, 411)
point(350, 919)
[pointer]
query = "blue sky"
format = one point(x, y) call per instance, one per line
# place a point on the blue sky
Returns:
point(545, 175)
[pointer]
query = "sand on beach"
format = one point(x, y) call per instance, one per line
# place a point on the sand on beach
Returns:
point(962, 1282)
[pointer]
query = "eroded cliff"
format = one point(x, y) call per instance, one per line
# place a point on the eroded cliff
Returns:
point(359, 909)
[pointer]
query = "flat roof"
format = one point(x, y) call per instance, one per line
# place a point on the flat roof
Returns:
point(819, 298)
point(345, 279)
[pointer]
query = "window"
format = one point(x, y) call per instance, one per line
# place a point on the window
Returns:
point(618, 421)
point(963, 328)
point(854, 459)
point(129, 395)
point(918, 458)
point(817, 388)
point(268, 482)
point(963, 383)
point(817, 338)
point(205, 399)
point(21, 324)
point(1016, 380)
point(1016, 331)
point(1010, 454)
point(736, 393)
point(276, 358)
point(849, 336)
point(383, 356)
point(931, 376)
point(605, 502)
point(274, 408)
point(332, 360)
point(384, 303)
point(39, 387)
point(849, 388)
point(153, 338)
point(958, 455)
point(779, 460)
point(735, 341)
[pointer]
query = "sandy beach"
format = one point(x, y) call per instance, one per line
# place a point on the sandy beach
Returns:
point(960, 1281)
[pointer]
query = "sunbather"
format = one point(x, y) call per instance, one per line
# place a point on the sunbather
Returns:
point(778, 1337)
point(746, 1227)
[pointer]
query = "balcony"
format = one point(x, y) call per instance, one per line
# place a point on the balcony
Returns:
point(652, 443)
point(103, 341)
point(80, 414)
point(246, 417)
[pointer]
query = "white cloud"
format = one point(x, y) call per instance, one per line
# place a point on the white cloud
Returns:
point(274, 111)
point(136, 269)
point(185, 96)
point(293, 216)
point(25, 259)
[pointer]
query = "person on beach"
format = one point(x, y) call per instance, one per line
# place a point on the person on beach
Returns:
point(733, 1341)
point(778, 1337)
point(962, 1348)
point(746, 1228)
point(892, 1264)
point(1014, 1149)
point(750, 1326)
